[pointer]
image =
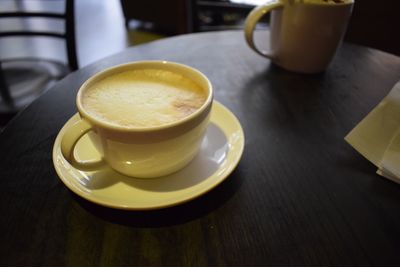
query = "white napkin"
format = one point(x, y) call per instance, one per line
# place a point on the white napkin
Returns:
point(377, 136)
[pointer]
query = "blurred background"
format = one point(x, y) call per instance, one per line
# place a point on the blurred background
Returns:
point(94, 29)
point(105, 27)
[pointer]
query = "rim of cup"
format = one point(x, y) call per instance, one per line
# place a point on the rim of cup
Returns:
point(152, 64)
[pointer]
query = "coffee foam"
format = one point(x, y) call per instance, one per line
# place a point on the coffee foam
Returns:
point(143, 98)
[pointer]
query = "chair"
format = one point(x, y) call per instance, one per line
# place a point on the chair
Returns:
point(375, 24)
point(23, 79)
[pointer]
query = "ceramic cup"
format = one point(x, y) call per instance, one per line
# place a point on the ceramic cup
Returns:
point(304, 34)
point(143, 152)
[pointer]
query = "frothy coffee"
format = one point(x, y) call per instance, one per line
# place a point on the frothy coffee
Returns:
point(143, 98)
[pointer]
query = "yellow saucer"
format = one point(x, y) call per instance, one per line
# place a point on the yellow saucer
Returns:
point(220, 153)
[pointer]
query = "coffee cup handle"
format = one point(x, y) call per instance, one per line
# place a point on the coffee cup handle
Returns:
point(68, 142)
point(254, 16)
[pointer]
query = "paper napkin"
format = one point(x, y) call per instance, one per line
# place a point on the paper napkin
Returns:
point(377, 136)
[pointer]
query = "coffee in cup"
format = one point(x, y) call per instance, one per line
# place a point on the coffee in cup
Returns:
point(143, 98)
point(147, 119)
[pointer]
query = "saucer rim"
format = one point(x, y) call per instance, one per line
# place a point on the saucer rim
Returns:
point(220, 177)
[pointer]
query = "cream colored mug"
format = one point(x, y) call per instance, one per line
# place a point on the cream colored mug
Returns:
point(304, 34)
point(145, 151)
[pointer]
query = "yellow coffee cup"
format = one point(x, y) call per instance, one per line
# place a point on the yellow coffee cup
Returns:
point(147, 119)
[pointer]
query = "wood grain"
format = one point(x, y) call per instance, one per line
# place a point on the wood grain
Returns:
point(299, 197)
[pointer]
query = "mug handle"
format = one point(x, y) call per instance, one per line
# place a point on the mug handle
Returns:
point(254, 16)
point(69, 141)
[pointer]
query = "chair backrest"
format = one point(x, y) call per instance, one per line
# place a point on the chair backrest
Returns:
point(375, 24)
point(68, 34)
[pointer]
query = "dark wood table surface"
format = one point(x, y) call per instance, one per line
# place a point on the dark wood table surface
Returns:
point(300, 196)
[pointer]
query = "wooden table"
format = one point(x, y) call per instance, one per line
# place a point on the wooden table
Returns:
point(300, 196)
